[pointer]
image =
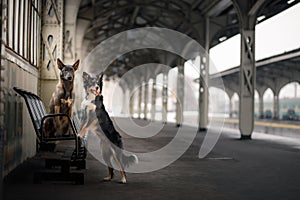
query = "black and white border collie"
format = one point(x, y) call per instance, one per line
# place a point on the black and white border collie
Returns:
point(96, 120)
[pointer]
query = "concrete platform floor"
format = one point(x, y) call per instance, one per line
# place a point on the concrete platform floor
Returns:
point(261, 168)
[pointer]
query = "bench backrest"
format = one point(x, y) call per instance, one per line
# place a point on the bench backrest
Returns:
point(35, 107)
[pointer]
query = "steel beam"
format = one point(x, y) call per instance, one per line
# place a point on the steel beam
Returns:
point(255, 8)
point(134, 15)
point(54, 6)
point(218, 7)
point(153, 99)
point(49, 51)
point(180, 96)
point(268, 61)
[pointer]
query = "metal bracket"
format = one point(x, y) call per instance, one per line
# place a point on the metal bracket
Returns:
point(248, 61)
point(55, 11)
point(49, 54)
point(248, 78)
point(248, 44)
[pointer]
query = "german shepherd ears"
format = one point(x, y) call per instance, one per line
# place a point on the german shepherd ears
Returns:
point(60, 64)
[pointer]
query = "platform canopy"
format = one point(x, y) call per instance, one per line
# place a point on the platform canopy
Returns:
point(105, 18)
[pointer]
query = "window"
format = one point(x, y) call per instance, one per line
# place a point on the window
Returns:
point(32, 36)
point(25, 44)
point(16, 28)
point(23, 28)
point(10, 23)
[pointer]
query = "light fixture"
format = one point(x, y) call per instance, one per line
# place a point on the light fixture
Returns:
point(261, 18)
point(290, 1)
point(234, 21)
point(221, 39)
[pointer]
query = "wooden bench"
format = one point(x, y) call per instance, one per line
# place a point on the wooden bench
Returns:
point(65, 151)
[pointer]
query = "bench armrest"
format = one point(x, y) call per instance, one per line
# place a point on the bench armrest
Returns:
point(71, 122)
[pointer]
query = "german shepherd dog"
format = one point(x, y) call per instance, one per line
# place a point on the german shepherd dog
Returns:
point(62, 100)
point(95, 115)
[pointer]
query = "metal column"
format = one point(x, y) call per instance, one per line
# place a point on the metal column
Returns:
point(1, 100)
point(247, 13)
point(247, 83)
point(165, 98)
point(131, 103)
point(125, 108)
point(276, 107)
point(52, 37)
point(180, 96)
point(261, 107)
point(153, 100)
point(230, 107)
point(203, 87)
point(145, 99)
point(140, 101)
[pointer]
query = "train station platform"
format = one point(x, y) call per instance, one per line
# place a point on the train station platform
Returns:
point(266, 167)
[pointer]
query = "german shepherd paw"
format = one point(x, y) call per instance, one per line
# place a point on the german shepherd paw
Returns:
point(107, 178)
point(123, 180)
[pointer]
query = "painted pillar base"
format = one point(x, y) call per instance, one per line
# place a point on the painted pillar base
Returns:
point(245, 137)
point(178, 125)
point(201, 129)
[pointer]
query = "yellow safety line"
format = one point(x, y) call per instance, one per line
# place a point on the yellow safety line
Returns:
point(260, 123)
